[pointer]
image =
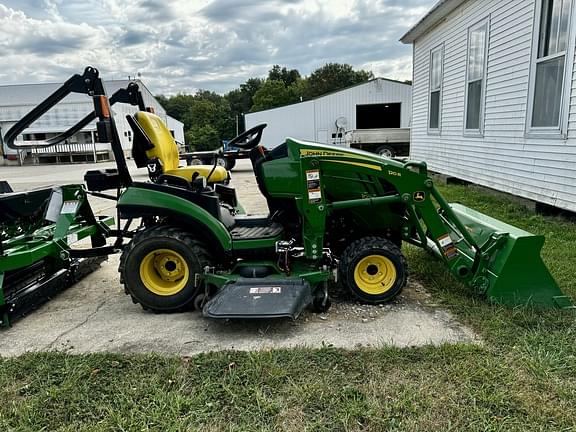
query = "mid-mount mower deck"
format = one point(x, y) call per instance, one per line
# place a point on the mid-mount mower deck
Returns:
point(333, 214)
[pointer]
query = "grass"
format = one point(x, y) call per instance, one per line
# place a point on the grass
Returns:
point(523, 378)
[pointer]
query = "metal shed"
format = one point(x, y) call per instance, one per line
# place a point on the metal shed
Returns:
point(380, 103)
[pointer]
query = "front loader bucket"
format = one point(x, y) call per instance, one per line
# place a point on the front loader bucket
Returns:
point(511, 271)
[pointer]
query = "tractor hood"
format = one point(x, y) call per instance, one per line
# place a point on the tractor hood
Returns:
point(298, 149)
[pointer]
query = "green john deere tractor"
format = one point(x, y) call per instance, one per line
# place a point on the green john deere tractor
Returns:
point(334, 214)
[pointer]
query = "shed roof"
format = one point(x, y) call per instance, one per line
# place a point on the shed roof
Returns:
point(380, 79)
point(431, 19)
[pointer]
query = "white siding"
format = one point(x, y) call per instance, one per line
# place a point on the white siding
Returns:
point(296, 121)
point(343, 103)
point(504, 159)
point(17, 100)
point(177, 127)
point(315, 120)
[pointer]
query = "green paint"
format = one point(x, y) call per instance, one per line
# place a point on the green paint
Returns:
point(512, 271)
point(41, 239)
point(303, 270)
point(382, 195)
point(135, 196)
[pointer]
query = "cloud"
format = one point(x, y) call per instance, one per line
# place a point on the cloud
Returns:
point(180, 46)
point(20, 34)
point(154, 11)
point(135, 37)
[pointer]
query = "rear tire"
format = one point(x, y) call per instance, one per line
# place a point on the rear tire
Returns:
point(373, 269)
point(386, 151)
point(222, 161)
point(159, 266)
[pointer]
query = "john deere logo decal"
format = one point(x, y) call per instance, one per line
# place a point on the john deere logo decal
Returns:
point(311, 153)
point(419, 196)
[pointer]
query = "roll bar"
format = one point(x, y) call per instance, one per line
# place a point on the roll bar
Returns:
point(129, 95)
point(91, 84)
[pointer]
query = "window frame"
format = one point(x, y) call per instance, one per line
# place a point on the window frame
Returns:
point(485, 22)
point(437, 48)
point(560, 131)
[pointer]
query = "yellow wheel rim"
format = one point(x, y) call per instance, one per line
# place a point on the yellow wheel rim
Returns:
point(164, 272)
point(375, 274)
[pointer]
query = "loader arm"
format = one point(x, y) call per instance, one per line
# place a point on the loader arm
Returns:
point(496, 260)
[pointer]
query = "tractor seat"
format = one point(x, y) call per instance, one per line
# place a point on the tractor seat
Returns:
point(219, 175)
point(153, 143)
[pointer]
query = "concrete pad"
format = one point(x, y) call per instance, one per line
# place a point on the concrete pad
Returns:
point(95, 315)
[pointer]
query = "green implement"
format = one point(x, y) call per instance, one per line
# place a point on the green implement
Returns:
point(37, 232)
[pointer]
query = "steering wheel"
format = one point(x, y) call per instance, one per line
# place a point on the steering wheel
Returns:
point(248, 139)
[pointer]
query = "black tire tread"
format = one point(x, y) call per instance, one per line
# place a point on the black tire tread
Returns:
point(197, 247)
point(357, 247)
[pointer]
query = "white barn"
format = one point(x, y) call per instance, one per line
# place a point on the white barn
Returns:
point(494, 95)
point(17, 100)
point(378, 103)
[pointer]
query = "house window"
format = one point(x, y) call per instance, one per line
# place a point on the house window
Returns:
point(476, 76)
point(549, 69)
point(435, 100)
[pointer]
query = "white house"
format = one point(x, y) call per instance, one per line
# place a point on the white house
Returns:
point(494, 95)
point(378, 103)
point(17, 100)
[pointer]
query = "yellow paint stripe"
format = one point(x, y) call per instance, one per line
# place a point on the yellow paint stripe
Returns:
point(364, 165)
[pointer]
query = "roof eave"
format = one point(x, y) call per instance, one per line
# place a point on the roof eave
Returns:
point(435, 16)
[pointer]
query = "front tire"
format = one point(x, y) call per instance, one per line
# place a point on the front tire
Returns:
point(373, 269)
point(159, 267)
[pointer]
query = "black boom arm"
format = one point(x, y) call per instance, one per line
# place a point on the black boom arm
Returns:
point(91, 84)
point(130, 95)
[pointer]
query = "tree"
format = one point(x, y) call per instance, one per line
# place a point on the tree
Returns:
point(202, 138)
point(273, 94)
point(283, 86)
point(288, 77)
point(176, 106)
point(203, 108)
point(332, 77)
point(240, 99)
point(200, 113)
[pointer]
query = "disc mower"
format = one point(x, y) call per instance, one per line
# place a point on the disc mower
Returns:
point(334, 214)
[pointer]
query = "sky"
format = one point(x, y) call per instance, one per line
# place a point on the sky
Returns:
point(180, 46)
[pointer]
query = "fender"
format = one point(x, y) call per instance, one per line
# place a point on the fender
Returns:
point(137, 202)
